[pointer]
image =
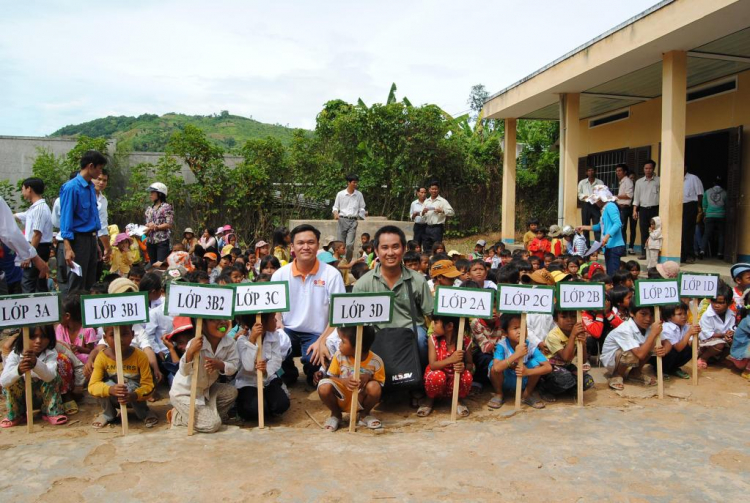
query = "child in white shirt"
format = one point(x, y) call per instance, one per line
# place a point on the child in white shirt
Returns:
point(717, 327)
point(676, 335)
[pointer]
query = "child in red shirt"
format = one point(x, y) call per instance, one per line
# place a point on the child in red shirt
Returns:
point(540, 245)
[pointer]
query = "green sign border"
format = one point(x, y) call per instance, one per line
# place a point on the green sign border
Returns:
point(357, 295)
point(530, 287)
point(558, 296)
point(199, 285)
point(637, 296)
point(679, 284)
point(251, 285)
point(482, 290)
point(84, 298)
point(30, 295)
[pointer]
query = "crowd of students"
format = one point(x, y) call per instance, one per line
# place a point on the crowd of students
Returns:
point(67, 359)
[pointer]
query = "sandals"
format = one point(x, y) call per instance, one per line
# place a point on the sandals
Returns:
point(371, 422)
point(547, 397)
point(496, 402)
point(7, 423)
point(424, 410)
point(151, 420)
point(681, 374)
point(100, 422)
point(56, 420)
point(462, 410)
point(586, 367)
point(534, 402)
point(616, 383)
point(332, 424)
point(71, 408)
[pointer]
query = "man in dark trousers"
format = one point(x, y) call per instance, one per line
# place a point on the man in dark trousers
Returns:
point(590, 213)
point(646, 201)
point(79, 222)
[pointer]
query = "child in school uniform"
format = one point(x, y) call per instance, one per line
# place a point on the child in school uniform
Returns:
point(561, 351)
point(505, 367)
point(138, 380)
point(444, 361)
point(628, 348)
point(41, 360)
point(740, 354)
point(717, 327)
point(676, 336)
point(219, 356)
point(336, 386)
point(275, 399)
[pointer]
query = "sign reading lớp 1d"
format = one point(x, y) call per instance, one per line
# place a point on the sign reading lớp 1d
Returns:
point(694, 285)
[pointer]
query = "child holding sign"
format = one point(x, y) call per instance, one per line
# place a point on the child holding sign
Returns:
point(561, 352)
point(41, 360)
point(445, 360)
point(717, 327)
point(335, 389)
point(138, 380)
point(505, 369)
point(676, 335)
point(214, 399)
point(276, 402)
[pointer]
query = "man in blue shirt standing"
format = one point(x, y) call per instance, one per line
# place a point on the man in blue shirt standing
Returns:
point(79, 221)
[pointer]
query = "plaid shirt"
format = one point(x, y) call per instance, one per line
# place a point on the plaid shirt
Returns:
point(159, 215)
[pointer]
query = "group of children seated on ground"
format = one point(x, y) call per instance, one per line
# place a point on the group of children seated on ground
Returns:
point(67, 357)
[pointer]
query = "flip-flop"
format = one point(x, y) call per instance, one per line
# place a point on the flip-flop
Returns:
point(371, 422)
point(56, 420)
point(586, 367)
point(7, 423)
point(71, 408)
point(462, 410)
point(332, 424)
point(534, 402)
point(616, 383)
point(681, 374)
point(101, 421)
point(424, 411)
point(496, 402)
point(151, 420)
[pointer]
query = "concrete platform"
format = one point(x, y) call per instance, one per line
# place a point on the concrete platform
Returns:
point(329, 228)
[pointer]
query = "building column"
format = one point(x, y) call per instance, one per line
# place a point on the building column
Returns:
point(508, 215)
point(570, 125)
point(672, 171)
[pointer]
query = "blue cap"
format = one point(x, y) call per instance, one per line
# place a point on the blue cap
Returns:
point(738, 269)
point(327, 258)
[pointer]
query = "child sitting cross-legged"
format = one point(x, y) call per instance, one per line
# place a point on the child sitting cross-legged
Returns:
point(676, 335)
point(505, 367)
point(717, 327)
point(41, 360)
point(444, 360)
point(561, 351)
point(336, 386)
point(275, 399)
point(138, 385)
point(629, 347)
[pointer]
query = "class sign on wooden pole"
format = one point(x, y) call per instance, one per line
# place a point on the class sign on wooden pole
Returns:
point(462, 303)
point(525, 299)
point(24, 311)
point(116, 310)
point(358, 309)
point(575, 296)
point(696, 286)
point(257, 298)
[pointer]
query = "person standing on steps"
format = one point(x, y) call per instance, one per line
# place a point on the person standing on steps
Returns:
point(590, 213)
point(415, 214)
point(38, 231)
point(159, 222)
point(348, 208)
point(646, 201)
point(625, 203)
point(435, 211)
point(100, 184)
point(692, 205)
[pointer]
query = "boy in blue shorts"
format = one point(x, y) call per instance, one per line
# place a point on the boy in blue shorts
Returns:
point(505, 364)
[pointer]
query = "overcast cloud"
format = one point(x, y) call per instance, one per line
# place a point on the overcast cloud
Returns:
point(279, 62)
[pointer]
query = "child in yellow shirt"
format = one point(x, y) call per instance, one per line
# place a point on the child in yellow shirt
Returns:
point(122, 259)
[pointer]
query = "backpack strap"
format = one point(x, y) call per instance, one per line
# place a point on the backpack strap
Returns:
point(412, 307)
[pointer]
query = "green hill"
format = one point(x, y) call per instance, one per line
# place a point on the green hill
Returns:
point(150, 133)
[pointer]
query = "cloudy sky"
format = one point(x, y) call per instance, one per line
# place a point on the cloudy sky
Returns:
point(66, 62)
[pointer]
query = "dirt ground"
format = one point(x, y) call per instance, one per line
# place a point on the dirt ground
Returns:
point(691, 446)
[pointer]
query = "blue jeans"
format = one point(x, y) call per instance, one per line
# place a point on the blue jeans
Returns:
point(301, 342)
point(612, 258)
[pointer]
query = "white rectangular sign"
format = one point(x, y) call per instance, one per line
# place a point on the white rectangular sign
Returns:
point(116, 309)
point(361, 309)
point(267, 297)
point(24, 310)
point(200, 301)
point(579, 296)
point(464, 302)
point(656, 292)
point(526, 299)
point(699, 285)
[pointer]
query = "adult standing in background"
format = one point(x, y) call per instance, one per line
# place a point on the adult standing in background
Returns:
point(415, 214)
point(62, 265)
point(715, 210)
point(692, 204)
point(590, 213)
point(38, 232)
point(79, 221)
point(435, 211)
point(610, 227)
point(625, 202)
point(348, 208)
point(159, 221)
point(100, 184)
point(646, 201)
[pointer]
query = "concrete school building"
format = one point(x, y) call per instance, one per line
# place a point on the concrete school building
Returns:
point(671, 84)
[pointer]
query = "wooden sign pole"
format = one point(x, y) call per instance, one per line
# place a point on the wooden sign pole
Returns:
point(259, 358)
point(579, 365)
point(29, 393)
point(355, 395)
point(121, 380)
point(519, 379)
point(194, 381)
point(694, 309)
point(457, 375)
point(659, 368)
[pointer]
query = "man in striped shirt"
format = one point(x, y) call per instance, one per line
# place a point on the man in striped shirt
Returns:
point(38, 222)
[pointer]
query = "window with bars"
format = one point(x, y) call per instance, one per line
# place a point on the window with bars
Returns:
point(605, 163)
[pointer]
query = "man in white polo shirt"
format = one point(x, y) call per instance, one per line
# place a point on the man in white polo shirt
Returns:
point(311, 284)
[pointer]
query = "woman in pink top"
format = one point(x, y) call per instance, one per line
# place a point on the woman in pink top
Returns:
point(71, 332)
